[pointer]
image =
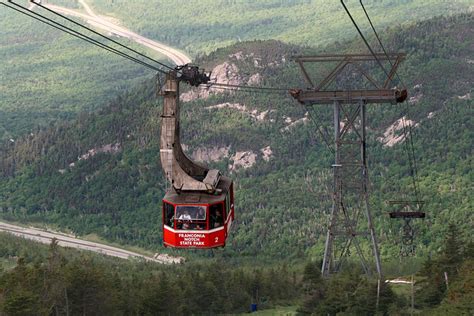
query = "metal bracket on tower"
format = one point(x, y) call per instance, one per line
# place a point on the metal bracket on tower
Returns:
point(407, 210)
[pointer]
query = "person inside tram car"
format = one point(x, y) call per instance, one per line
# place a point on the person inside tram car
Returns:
point(186, 225)
point(219, 219)
point(185, 215)
point(199, 227)
point(201, 214)
point(169, 215)
point(216, 219)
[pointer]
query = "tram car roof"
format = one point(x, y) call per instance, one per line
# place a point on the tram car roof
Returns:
point(194, 197)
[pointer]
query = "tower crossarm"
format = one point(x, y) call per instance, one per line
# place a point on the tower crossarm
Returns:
point(392, 96)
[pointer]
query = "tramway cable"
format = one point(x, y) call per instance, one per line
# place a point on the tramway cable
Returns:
point(365, 40)
point(380, 42)
point(81, 36)
point(61, 27)
point(408, 135)
point(246, 89)
point(218, 84)
point(101, 35)
point(317, 126)
point(405, 210)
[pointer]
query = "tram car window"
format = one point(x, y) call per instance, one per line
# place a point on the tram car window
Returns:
point(168, 214)
point(216, 216)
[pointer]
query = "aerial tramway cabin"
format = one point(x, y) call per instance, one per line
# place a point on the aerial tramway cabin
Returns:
point(198, 208)
point(197, 219)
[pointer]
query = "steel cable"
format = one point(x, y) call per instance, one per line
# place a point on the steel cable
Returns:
point(79, 35)
point(101, 35)
point(408, 134)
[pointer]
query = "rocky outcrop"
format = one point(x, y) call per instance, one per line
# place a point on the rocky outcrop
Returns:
point(267, 153)
point(168, 259)
point(394, 133)
point(203, 154)
point(108, 149)
point(243, 159)
point(417, 94)
point(291, 124)
point(258, 60)
point(467, 96)
point(259, 116)
point(255, 79)
point(227, 73)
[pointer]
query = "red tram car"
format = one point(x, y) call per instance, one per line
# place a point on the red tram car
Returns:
point(197, 219)
point(198, 209)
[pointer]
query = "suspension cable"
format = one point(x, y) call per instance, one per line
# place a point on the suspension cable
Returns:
point(317, 126)
point(365, 41)
point(246, 89)
point(101, 35)
point(380, 42)
point(61, 27)
point(79, 35)
point(407, 128)
point(219, 84)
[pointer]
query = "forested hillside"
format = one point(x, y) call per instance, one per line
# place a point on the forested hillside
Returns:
point(37, 280)
point(101, 174)
point(209, 24)
point(49, 76)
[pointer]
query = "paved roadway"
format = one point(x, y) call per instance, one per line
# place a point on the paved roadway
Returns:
point(100, 22)
point(65, 240)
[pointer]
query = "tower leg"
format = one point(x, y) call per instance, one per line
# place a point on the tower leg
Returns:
point(350, 193)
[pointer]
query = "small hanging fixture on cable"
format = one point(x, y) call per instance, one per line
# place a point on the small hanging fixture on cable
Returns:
point(407, 210)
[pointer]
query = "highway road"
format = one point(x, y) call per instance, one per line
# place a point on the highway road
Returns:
point(177, 57)
point(64, 240)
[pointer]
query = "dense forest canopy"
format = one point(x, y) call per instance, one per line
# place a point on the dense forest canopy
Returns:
point(49, 76)
point(79, 151)
point(44, 280)
point(50, 175)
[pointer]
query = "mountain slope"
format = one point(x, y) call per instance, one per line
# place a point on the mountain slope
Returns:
point(209, 24)
point(100, 173)
point(49, 76)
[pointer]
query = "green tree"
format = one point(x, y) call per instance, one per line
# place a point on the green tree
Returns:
point(20, 290)
point(313, 288)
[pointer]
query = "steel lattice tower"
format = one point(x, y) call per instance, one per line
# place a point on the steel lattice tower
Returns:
point(350, 196)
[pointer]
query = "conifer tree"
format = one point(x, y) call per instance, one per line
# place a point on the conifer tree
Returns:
point(313, 289)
